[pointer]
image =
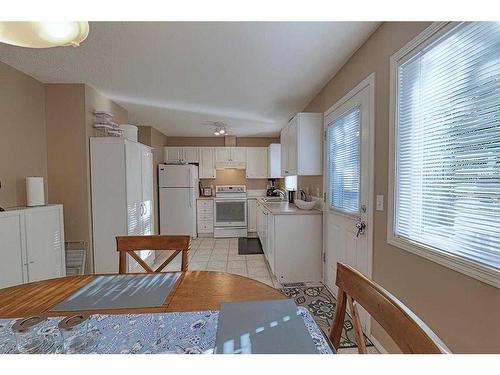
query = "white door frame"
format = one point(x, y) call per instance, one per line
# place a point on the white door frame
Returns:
point(368, 82)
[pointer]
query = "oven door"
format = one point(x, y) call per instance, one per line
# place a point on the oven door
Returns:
point(230, 212)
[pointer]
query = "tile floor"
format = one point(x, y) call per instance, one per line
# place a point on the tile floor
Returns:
point(221, 254)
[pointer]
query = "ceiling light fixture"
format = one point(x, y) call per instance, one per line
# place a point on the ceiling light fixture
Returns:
point(216, 132)
point(44, 34)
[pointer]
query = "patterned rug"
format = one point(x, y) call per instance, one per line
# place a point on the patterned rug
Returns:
point(321, 304)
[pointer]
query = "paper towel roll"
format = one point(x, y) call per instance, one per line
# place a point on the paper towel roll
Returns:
point(35, 194)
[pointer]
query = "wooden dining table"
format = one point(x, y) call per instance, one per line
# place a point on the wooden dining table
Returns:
point(193, 291)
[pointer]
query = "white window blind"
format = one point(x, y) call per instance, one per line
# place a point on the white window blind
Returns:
point(344, 161)
point(447, 188)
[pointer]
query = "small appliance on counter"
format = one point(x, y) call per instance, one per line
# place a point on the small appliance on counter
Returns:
point(271, 188)
point(205, 191)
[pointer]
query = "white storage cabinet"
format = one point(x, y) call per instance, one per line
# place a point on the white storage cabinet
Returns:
point(122, 197)
point(256, 162)
point(31, 245)
point(207, 162)
point(302, 145)
point(205, 217)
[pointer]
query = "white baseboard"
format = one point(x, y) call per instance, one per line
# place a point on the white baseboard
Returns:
point(378, 345)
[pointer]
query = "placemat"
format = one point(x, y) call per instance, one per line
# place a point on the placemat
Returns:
point(111, 292)
point(176, 333)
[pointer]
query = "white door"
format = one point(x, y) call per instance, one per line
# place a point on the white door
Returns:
point(252, 215)
point(239, 154)
point(223, 154)
point(207, 162)
point(133, 165)
point(177, 176)
point(191, 154)
point(12, 264)
point(284, 151)
point(44, 243)
point(348, 185)
point(173, 154)
point(256, 162)
point(177, 211)
point(292, 151)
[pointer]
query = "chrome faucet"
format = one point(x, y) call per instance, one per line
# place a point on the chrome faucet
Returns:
point(281, 192)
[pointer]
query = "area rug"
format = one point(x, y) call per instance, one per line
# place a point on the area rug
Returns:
point(321, 304)
point(249, 246)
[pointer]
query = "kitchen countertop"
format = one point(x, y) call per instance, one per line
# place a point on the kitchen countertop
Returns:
point(285, 208)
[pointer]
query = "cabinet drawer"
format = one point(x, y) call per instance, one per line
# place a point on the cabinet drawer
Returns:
point(205, 203)
point(205, 228)
point(205, 219)
point(205, 213)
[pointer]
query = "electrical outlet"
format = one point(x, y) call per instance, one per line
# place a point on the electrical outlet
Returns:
point(380, 203)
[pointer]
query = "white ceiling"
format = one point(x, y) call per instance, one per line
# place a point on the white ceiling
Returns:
point(176, 76)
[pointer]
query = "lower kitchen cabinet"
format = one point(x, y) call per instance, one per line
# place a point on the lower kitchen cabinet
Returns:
point(292, 245)
point(205, 217)
point(31, 245)
point(252, 217)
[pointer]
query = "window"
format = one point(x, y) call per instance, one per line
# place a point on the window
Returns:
point(344, 161)
point(446, 170)
point(291, 183)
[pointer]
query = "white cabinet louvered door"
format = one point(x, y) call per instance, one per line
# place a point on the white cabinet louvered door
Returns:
point(44, 243)
point(12, 254)
point(133, 165)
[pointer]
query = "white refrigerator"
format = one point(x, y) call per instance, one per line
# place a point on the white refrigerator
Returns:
point(178, 186)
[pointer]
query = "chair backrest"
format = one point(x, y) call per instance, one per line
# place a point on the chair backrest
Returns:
point(408, 331)
point(130, 244)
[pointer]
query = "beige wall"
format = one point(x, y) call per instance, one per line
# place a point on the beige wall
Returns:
point(66, 156)
point(234, 177)
point(464, 312)
point(23, 147)
point(69, 121)
point(157, 140)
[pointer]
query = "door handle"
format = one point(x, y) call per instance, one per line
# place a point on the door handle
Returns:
point(360, 226)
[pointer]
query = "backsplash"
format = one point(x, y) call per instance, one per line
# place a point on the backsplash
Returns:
point(235, 177)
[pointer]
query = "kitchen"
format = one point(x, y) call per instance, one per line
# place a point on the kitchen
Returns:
point(248, 192)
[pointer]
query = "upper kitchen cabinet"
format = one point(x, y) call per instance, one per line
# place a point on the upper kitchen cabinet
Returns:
point(230, 157)
point(187, 154)
point(207, 162)
point(256, 162)
point(302, 145)
point(274, 161)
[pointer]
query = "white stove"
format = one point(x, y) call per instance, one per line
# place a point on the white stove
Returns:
point(230, 214)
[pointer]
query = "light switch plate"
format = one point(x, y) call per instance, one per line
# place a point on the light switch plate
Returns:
point(380, 203)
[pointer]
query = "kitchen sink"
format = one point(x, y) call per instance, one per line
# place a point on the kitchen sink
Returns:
point(273, 199)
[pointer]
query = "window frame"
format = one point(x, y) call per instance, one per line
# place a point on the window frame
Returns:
point(476, 270)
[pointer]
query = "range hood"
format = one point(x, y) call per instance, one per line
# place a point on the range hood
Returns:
point(230, 165)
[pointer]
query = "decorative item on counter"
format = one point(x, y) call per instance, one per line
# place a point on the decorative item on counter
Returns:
point(35, 192)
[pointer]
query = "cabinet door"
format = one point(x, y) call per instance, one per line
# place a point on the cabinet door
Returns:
point(292, 146)
point(44, 243)
point(207, 162)
point(256, 162)
point(238, 154)
point(222, 154)
point(274, 161)
point(12, 262)
point(270, 242)
point(190, 154)
point(264, 232)
point(133, 172)
point(173, 154)
point(258, 221)
point(284, 151)
point(147, 191)
point(252, 215)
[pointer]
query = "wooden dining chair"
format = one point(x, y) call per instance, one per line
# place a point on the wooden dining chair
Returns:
point(130, 244)
point(407, 330)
